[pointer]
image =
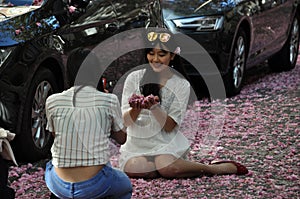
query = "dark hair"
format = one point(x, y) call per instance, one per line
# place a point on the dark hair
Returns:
point(149, 83)
point(90, 70)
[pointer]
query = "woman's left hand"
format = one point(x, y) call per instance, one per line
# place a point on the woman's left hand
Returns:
point(150, 101)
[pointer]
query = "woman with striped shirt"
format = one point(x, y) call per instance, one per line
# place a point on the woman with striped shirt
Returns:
point(83, 119)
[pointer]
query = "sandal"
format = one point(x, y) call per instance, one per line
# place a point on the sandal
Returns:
point(241, 169)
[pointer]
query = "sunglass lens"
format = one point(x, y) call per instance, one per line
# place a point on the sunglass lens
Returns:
point(152, 36)
point(164, 37)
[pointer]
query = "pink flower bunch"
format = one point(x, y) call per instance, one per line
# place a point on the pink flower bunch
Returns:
point(72, 9)
point(142, 100)
point(18, 31)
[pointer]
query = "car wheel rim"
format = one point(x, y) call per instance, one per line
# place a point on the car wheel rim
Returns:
point(239, 62)
point(294, 42)
point(39, 134)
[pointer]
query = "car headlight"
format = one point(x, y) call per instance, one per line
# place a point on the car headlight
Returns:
point(4, 54)
point(206, 23)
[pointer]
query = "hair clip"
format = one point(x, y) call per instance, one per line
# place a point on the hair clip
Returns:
point(177, 50)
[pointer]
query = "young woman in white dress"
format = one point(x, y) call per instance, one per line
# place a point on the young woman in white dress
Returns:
point(154, 102)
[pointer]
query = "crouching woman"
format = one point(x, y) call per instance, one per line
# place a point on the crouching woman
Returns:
point(82, 120)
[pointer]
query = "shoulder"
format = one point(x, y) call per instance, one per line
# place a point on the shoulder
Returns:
point(180, 81)
point(109, 98)
point(112, 96)
point(136, 73)
point(65, 95)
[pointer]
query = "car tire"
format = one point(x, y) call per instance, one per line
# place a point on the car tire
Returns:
point(34, 141)
point(286, 58)
point(234, 78)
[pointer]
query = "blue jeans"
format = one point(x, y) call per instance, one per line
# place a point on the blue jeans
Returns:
point(108, 182)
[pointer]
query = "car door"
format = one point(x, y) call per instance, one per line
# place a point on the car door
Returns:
point(282, 11)
point(270, 22)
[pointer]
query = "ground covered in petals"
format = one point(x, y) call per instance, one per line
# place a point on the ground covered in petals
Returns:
point(259, 128)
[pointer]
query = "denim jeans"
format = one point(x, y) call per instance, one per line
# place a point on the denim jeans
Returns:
point(109, 182)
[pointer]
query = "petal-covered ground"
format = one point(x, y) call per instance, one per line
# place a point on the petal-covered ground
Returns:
point(259, 128)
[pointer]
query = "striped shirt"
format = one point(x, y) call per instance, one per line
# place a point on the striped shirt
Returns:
point(82, 119)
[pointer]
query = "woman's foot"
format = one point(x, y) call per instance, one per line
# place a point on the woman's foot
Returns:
point(229, 167)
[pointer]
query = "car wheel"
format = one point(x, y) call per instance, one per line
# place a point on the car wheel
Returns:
point(234, 78)
point(286, 58)
point(35, 141)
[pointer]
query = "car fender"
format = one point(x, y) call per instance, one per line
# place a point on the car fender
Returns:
point(241, 22)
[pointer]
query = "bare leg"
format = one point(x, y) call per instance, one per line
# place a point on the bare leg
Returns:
point(140, 167)
point(170, 167)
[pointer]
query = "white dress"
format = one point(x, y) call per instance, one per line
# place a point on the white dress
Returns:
point(146, 137)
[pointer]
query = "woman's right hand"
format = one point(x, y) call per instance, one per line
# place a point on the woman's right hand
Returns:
point(141, 102)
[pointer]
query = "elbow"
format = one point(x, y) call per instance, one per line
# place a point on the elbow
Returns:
point(123, 138)
point(169, 125)
point(168, 129)
point(123, 141)
point(120, 136)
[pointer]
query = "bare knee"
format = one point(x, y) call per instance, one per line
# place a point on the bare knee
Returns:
point(170, 171)
point(140, 167)
point(167, 166)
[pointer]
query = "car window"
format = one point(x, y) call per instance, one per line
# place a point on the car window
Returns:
point(21, 2)
point(97, 10)
point(9, 10)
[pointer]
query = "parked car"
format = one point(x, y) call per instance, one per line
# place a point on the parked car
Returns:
point(35, 41)
point(239, 34)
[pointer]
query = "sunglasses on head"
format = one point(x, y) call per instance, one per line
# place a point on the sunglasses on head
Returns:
point(163, 37)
